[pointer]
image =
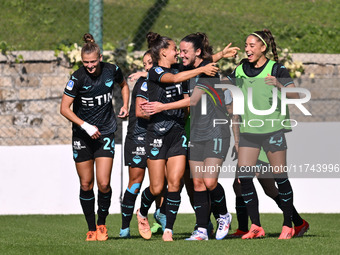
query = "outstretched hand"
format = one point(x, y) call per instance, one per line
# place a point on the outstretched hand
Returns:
point(229, 52)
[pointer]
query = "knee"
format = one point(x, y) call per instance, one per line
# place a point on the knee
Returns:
point(134, 188)
point(210, 184)
point(199, 185)
point(104, 187)
point(156, 189)
point(174, 186)
point(86, 186)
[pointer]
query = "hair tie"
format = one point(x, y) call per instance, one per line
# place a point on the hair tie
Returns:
point(260, 39)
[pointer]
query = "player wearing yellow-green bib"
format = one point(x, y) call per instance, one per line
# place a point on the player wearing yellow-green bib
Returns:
point(255, 123)
point(266, 180)
point(261, 80)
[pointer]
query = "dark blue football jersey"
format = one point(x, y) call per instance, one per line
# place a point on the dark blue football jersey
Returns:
point(207, 111)
point(162, 122)
point(93, 96)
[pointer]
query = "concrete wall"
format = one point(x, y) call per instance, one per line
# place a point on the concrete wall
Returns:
point(30, 95)
point(321, 65)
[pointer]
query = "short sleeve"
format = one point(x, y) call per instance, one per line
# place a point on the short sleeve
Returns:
point(72, 86)
point(118, 75)
point(142, 88)
point(155, 74)
point(282, 74)
point(232, 77)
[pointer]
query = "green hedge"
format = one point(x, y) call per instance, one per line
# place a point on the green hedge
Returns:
point(302, 25)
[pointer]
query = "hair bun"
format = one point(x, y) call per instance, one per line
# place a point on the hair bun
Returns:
point(88, 38)
point(152, 38)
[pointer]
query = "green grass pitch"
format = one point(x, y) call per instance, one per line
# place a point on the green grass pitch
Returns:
point(65, 234)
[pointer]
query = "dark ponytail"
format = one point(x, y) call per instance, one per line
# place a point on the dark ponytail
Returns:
point(89, 45)
point(266, 36)
point(156, 42)
point(200, 41)
point(272, 43)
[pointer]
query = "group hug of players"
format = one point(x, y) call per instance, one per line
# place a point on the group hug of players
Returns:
point(171, 132)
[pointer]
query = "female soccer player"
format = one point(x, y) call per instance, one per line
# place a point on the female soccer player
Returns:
point(165, 139)
point(134, 149)
point(265, 178)
point(90, 90)
point(209, 144)
point(264, 77)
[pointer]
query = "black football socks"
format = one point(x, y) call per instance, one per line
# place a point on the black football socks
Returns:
point(286, 197)
point(87, 201)
point(127, 208)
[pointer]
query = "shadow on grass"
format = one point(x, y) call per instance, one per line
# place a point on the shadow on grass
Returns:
point(278, 234)
point(120, 238)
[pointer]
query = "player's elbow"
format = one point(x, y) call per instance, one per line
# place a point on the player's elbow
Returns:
point(176, 79)
point(62, 110)
point(293, 95)
point(142, 115)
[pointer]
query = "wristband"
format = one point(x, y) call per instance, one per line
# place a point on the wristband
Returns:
point(90, 130)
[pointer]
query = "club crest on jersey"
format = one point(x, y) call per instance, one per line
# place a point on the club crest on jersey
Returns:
point(70, 85)
point(144, 86)
point(159, 70)
point(109, 83)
